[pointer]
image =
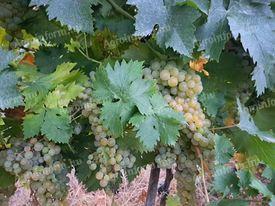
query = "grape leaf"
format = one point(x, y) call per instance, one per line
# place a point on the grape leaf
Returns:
point(9, 96)
point(176, 29)
point(261, 187)
point(32, 124)
point(226, 181)
point(215, 32)
point(115, 116)
point(64, 74)
point(265, 115)
point(255, 24)
point(5, 58)
point(212, 102)
point(268, 173)
point(227, 76)
point(247, 124)
point(253, 146)
point(147, 130)
point(139, 52)
point(54, 54)
point(117, 24)
point(40, 27)
point(129, 138)
point(56, 126)
point(63, 95)
point(76, 15)
point(36, 86)
point(224, 149)
point(124, 85)
point(245, 178)
point(162, 125)
point(101, 86)
point(35, 93)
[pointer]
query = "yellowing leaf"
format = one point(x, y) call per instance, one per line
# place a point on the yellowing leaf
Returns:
point(62, 95)
point(3, 42)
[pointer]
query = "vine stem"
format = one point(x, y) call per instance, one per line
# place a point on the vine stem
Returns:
point(203, 173)
point(203, 180)
point(121, 10)
point(224, 127)
point(152, 186)
point(86, 46)
point(89, 58)
point(165, 187)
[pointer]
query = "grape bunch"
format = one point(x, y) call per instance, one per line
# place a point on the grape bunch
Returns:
point(167, 156)
point(180, 89)
point(186, 172)
point(11, 16)
point(108, 159)
point(38, 163)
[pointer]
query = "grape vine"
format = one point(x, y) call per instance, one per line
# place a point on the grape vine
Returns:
point(108, 88)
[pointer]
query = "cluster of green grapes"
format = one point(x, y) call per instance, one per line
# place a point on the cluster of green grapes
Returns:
point(180, 89)
point(167, 156)
point(186, 172)
point(38, 164)
point(108, 159)
point(11, 16)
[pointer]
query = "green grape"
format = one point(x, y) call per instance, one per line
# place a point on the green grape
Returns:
point(108, 158)
point(42, 176)
point(180, 89)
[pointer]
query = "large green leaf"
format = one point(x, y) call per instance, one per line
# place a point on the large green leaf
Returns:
point(215, 32)
point(176, 29)
point(254, 147)
point(162, 125)
point(254, 22)
point(261, 187)
point(75, 14)
point(125, 90)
